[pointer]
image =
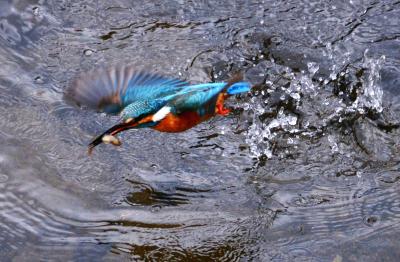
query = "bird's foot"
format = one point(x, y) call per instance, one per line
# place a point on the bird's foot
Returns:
point(221, 110)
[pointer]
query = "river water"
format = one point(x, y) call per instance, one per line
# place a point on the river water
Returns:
point(306, 168)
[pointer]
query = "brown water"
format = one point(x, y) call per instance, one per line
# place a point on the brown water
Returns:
point(305, 169)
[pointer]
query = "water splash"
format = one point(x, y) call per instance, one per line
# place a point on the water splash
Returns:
point(371, 94)
point(261, 134)
point(311, 102)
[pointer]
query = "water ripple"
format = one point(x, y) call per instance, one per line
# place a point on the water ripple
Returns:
point(305, 168)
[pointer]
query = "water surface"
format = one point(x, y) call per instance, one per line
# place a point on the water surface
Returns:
point(306, 168)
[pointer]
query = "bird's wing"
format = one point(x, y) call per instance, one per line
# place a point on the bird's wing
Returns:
point(195, 97)
point(142, 108)
point(203, 96)
point(113, 88)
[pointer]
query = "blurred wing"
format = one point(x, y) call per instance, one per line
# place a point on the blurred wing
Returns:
point(111, 89)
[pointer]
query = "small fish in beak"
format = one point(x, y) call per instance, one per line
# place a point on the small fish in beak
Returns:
point(109, 139)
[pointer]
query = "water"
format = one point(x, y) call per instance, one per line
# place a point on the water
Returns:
point(306, 168)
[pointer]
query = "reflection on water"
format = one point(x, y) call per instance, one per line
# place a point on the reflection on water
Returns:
point(307, 166)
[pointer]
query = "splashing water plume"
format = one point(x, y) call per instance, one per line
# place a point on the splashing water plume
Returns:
point(303, 87)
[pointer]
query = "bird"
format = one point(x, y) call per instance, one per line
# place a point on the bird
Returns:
point(150, 100)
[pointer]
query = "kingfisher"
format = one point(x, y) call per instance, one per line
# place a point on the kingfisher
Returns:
point(149, 100)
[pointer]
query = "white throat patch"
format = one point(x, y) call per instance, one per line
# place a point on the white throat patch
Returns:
point(163, 112)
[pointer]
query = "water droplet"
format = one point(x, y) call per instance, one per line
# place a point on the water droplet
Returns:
point(274, 123)
point(39, 80)
point(370, 220)
point(333, 144)
point(155, 208)
point(88, 52)
point(312, 68)
point(292, 120)
point(295, 96)
point(35, 10)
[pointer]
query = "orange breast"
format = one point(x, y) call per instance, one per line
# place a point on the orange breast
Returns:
point(179, 123)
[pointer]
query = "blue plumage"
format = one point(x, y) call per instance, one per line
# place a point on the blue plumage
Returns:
point(142, 107)
point(150, 100)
